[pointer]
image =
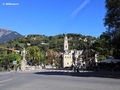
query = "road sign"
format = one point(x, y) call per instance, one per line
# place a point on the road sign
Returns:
point(14, 62)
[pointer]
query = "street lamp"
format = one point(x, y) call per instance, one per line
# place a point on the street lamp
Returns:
point(85, 40)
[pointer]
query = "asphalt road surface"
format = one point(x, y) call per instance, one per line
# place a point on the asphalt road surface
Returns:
point(56, 80)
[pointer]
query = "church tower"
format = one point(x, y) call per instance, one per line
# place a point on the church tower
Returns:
point(65, 43)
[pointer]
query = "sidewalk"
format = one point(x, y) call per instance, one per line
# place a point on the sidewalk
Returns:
point(5, 72)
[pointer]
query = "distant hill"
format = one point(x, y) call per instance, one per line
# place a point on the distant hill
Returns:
point(76, 41)
point(6, 35)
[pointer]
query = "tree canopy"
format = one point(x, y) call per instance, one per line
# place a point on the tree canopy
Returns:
point(34, 54)
point(112, 22)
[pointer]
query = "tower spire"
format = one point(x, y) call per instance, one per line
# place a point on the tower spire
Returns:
point(65, 42)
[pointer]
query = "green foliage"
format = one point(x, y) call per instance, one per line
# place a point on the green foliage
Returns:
point(103, 46)
point(34, 54)
point(101, 57)
point(56, 64)
point(112, 18)
point(76, 41)
point(8, 59)
point(112, 21)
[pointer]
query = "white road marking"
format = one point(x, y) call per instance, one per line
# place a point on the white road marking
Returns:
point(5, 80)
point(57, 71)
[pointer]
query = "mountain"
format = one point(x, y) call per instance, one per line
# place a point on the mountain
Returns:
point(6, 35)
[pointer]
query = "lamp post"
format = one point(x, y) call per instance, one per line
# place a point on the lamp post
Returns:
point(85, 40)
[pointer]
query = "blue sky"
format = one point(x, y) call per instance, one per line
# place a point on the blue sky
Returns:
point(53, 17)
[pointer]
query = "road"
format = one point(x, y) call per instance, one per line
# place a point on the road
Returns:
point(56, 80)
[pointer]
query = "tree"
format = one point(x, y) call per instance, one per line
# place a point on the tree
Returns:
point(7, 61)
point(103, 46)
point(112, 21)
point(51, 54)
point(112, 18)
point(34, 54)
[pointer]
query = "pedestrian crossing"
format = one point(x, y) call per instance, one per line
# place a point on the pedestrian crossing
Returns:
point(54, 70)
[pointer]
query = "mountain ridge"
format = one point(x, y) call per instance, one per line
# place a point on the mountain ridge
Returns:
point(6, 35)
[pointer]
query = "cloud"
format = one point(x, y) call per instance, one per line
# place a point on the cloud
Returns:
point(73, 15)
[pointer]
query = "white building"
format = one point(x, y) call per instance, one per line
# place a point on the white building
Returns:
point(70, 57)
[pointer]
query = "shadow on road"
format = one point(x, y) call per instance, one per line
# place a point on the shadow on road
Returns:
point(102, 74)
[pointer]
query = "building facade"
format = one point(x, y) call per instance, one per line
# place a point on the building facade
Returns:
point(70, 57)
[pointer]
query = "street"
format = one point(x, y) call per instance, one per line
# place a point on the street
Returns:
point(55, 80)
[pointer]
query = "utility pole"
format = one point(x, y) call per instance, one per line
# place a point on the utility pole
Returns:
point(85, 40)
